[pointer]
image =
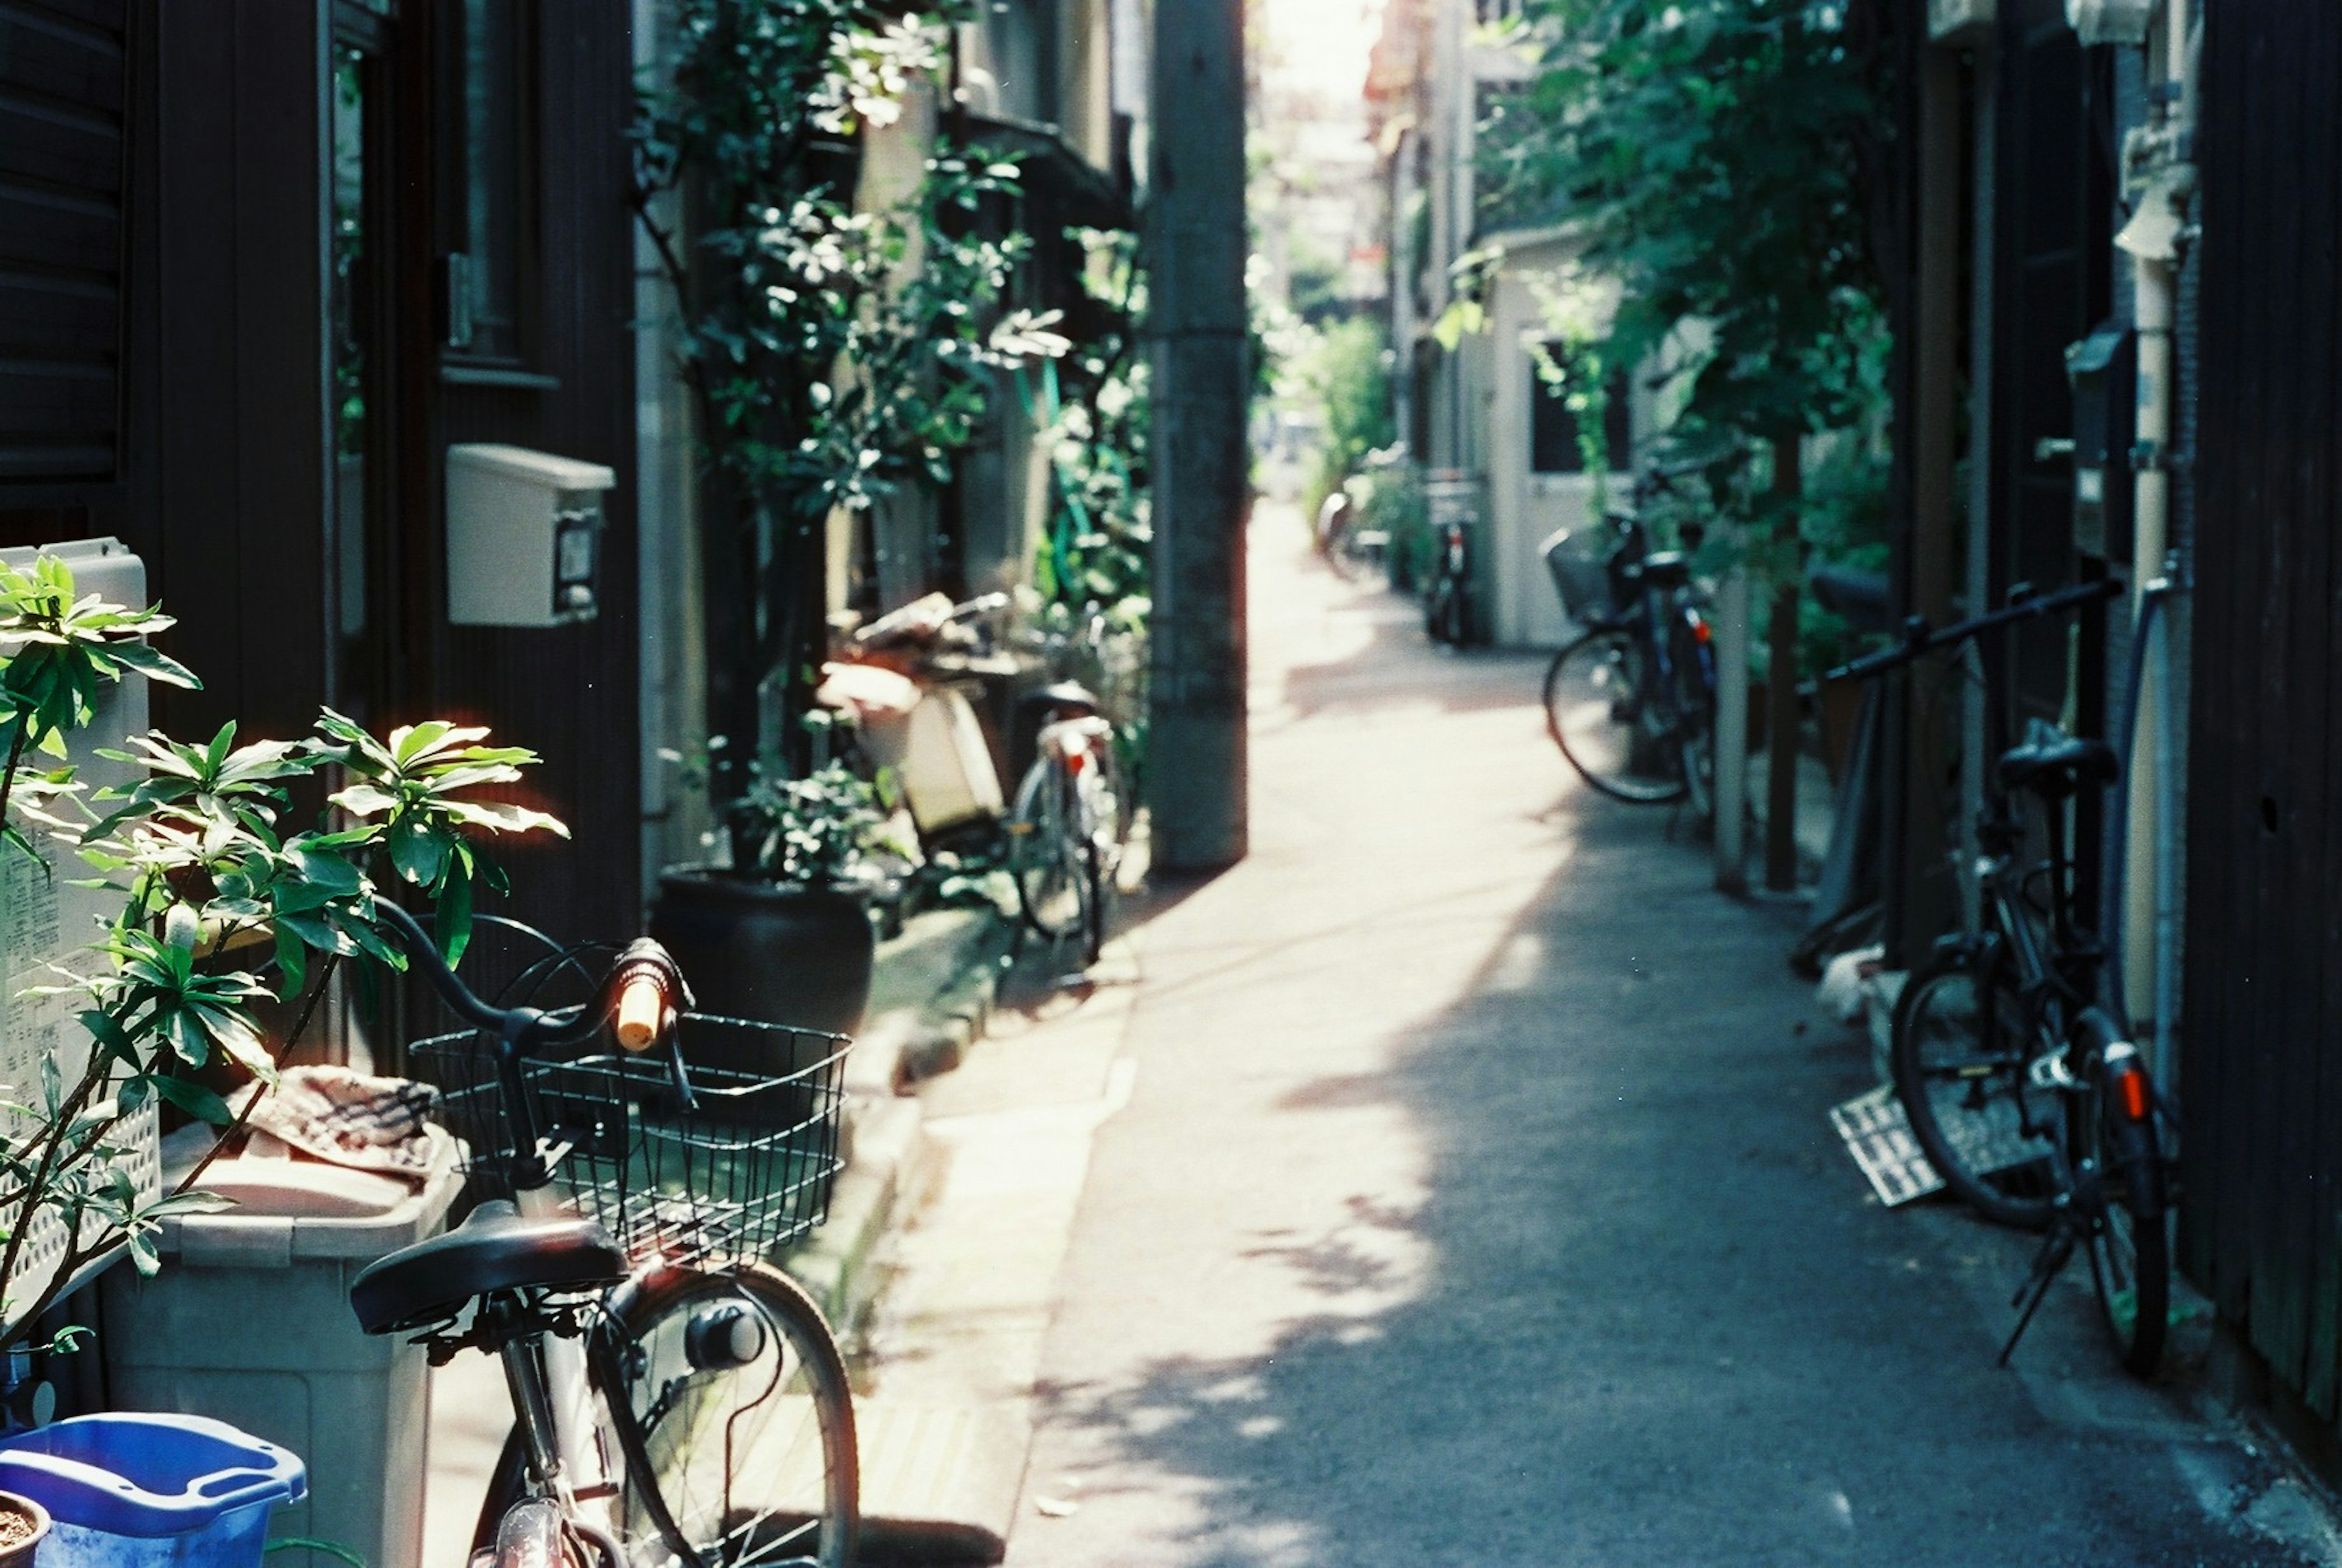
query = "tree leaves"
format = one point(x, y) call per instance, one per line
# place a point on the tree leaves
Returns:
point(1706, 152)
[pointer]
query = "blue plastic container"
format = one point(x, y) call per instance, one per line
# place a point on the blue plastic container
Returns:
point(149, 1490)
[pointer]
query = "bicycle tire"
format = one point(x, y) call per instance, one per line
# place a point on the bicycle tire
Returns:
point(1950, 1051)
point(1335, 551)
point(1695, 707)
point(1602, 714)
point(701, 1425)
point(2129, 1236)
point(1045, 858)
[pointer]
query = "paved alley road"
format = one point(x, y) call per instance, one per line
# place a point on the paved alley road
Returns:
point(1474, 1203)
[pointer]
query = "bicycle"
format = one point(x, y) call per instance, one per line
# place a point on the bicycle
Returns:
point(1349, 550)
point(1071, 812)
point(676, 1399)
point(2023, 1089)
point(1448, 614)
point(1631, 701)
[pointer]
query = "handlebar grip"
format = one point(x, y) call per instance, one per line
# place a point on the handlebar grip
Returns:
point(642, 1011)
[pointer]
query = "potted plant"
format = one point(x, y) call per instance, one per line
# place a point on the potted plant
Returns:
point(223, 907)
point(783, 933)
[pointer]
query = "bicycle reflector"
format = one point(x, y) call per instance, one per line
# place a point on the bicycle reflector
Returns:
point(2131, 1090)
point(1700, 632)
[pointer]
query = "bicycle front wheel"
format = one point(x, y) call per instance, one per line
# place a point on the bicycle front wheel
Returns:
point(1611, 727)
point(2129, 1238)
point(733, 1419)
point(1962, 1057)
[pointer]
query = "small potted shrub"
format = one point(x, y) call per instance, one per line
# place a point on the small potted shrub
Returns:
point(783, 933)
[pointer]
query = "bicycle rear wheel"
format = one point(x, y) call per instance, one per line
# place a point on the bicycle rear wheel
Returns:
point(1961, 1059)
point(1612, 726)
point(2130, 1237)
point(734, 1418)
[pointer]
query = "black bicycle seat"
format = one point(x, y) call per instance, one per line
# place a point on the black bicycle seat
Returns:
point(494, 1250)
point(2055, 766)
point(1070, 696)
point(1665, 569)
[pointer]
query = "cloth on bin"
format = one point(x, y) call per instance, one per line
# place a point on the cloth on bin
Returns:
point(346, 1118)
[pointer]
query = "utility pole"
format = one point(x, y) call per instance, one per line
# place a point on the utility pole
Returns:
point(1196, 245)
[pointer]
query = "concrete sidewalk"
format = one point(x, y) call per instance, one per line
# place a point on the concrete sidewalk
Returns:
point(1454, 1186)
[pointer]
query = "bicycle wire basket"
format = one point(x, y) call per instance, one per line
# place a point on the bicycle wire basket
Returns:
point(1579, 559)
point(742, 1175)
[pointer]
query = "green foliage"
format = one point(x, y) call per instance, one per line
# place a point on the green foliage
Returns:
point(1096, 417)
point(1352, 375)
point(196, 852)
point(818, 831)
point(1391, 501)
point(834, 355)
point(1706, 151)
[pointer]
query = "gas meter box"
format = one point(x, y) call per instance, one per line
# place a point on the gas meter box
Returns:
point(524, 536)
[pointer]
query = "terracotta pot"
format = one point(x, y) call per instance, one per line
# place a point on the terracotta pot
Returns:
point(18, 1513)
point(774, 953)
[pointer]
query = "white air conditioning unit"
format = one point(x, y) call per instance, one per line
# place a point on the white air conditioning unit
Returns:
point(1960, 21)
point(47, 921)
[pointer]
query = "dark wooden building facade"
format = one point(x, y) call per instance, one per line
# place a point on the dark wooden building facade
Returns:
point(2262, 1216)
point(262, 262)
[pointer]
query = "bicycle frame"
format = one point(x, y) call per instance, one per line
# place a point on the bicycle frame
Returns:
point(545, 1372)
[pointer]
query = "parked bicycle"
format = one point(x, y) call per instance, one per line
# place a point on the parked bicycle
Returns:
point(675, 1398)
point(1351, 550)
point(1071, 815)
point(2020, 1083)
point(1060, 834)
point(1631, 701)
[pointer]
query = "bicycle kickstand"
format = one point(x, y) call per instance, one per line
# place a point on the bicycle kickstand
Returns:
point(2049, 1262)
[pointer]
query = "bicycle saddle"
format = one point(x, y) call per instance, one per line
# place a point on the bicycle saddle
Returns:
point(2055, 766)
point(1664, 569)
point(1070, 696)
point(495, 1248)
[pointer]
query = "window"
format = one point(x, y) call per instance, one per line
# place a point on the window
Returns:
point(1554, 443)
point(486, 185)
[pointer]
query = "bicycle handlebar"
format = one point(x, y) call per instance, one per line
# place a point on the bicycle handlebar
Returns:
point(641, 997)
point(1918, 638)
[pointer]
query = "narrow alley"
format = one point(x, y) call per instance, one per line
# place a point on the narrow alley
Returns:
point(1474, 1202)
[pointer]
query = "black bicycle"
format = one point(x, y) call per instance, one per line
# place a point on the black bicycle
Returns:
point(2021, 1083)
point(676, 1399)
point(1631, 703)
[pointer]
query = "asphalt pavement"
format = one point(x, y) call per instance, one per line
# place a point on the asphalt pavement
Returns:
point(1450, 1182)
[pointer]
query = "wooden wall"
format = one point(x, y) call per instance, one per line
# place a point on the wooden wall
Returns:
point(2261, 1071)
point(190, 253)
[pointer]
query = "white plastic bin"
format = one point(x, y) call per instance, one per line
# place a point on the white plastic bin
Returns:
point(249, 1322)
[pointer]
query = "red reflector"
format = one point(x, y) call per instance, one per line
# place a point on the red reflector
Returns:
point(2134, 1096)
point(1699, 631)
point(1078, 758)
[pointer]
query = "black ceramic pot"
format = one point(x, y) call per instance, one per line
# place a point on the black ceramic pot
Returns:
point(774, 953)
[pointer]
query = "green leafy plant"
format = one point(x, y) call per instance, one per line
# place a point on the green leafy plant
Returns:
point(1710, 156)
point(834, 355)
point(208, 876)
point(821, 831)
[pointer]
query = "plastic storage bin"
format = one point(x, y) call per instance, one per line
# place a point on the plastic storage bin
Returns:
point(249, 1321)
point(143, 1490)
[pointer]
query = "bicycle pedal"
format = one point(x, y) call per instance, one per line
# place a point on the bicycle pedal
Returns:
point(2049, 1072)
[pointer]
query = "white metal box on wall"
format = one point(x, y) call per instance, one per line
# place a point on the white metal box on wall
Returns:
point(524, 536)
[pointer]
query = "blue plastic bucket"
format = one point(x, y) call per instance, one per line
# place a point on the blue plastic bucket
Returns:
point(151, 1491)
